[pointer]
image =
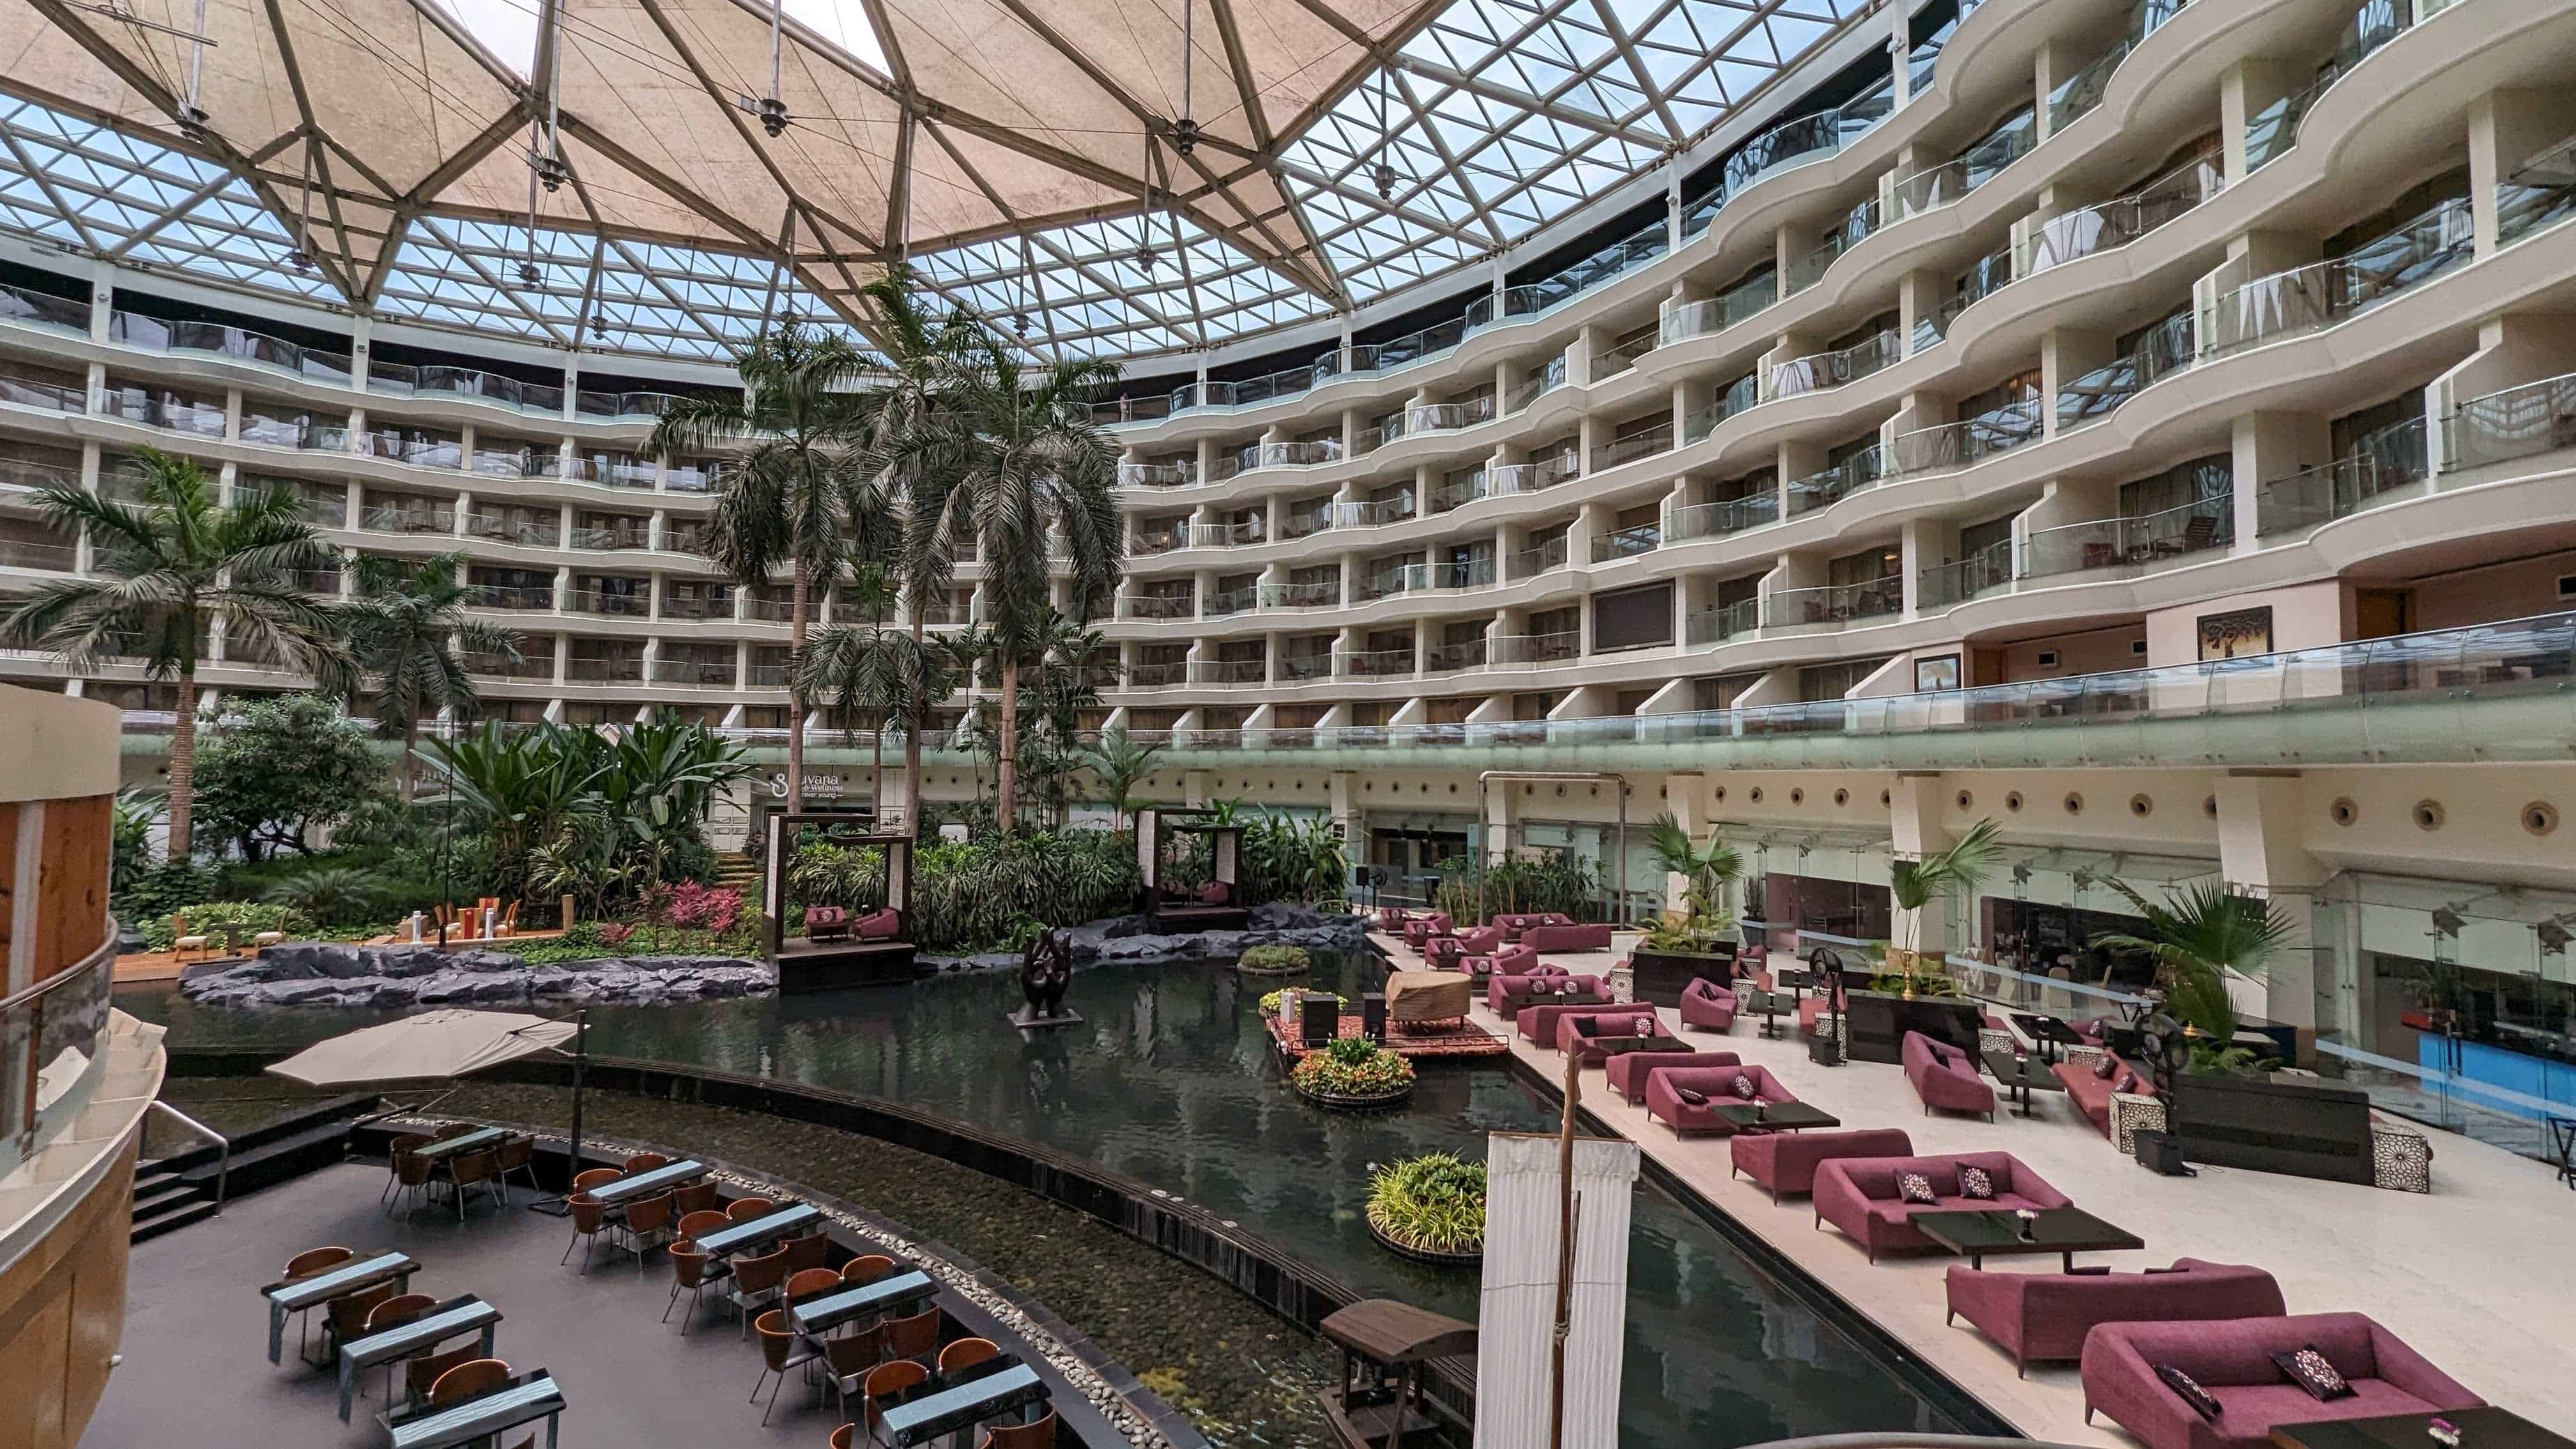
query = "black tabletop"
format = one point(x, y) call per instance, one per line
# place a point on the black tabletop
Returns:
point(2048, 1028)
point(1780, 1116)
point(1975, 1231)
point(944, 1403)
point(2022, 1072)
point(829, 1309)
point(751, 1232)
point(2481, 1428)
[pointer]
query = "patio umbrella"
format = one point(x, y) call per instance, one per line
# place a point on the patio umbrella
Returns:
point(438, 1046)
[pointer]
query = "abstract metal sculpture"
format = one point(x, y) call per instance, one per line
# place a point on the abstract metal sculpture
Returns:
point(1046, 969)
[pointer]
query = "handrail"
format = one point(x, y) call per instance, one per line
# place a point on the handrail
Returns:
point(223, 1147)
point(95, 973)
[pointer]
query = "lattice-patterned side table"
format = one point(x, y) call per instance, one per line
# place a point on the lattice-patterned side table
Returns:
point(2401, 1158)
point(2131, 1111)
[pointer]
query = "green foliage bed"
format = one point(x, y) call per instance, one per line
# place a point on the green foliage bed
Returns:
point(1434, 1203)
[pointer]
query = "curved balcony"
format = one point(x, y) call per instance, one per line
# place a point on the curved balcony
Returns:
point(2246, 311)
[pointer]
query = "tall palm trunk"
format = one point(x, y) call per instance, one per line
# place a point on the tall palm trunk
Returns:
point(912, 727)
point(1006, 814)
point(796, 606)
point(410, 760)
point(183, 765)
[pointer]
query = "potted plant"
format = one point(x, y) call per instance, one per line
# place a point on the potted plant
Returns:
point(1430, 1209)
point(1353, 1074)
point(1273, 961)
point(1914, 885)
point(1699, 941)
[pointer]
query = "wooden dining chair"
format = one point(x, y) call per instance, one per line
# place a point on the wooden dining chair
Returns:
point(445, 1130)
point(844, 1437)
point(883, 1380)
point(346, 1316)
point(866, 1268)
point(394, 1312)
point(781, 1348)
point(849, 1359)
point(811, 1280)
point(916, 1337)
point(1037, 1434)
point(411, 1175)
point(700, 1223)
point(402, 1143)
point(586, 1180)
point(519, 1155)
point(646, 1162)
point(697, 1197)
point(475, 1170)
point(744, 1209)
point(647, 1226)
point(421, 1374)
point(809, 1251)
point(475, 1376)
point(314, 1260)
point(589, 1217)
point(688, 1272)
point(756, 1282)
point(965, 1353)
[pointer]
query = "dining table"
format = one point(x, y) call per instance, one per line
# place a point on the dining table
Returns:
point(818, 1313)
point(448, 1147)
point(290, 1296)
point(752, 1232)
point(452, 1319)
point(945, 1403)
point(649, 1181)
point(520, 1399)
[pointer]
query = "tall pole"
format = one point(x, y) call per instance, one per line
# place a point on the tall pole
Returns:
point(580, 1061)
point(1564, 1252)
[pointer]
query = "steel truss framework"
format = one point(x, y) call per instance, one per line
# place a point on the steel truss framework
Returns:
point(1129, 178)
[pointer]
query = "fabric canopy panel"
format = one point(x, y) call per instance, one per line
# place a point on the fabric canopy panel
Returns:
point(432, 1046)
point(1516, 1316)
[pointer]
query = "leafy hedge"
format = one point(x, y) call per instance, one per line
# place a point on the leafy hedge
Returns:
point(1274, 960)
point(1557, 880)
point(980, 895)
point(1434, 1202)
point(1354, 1067)
point(231, 922)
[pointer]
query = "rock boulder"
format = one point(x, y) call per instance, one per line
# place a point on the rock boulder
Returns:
point(324, 973)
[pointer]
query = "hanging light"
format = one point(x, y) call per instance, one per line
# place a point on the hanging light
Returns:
point(598, 327)
point(771, 110)
point(1147, 258)
point(1020, 324)
point(773, 115)
point(1383, 173)
point(1384, 176)
point(1185, 131)
point(529, 276)
point(552, 173)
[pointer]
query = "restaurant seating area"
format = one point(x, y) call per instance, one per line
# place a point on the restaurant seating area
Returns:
point(391, 1319)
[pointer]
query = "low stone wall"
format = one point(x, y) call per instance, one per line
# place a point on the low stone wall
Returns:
point(1125, 940)
point(322, 973)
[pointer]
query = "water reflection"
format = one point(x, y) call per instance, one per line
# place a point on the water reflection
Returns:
point(1169, 1079)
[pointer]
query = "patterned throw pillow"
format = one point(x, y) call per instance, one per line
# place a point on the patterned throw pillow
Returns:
point(1974, 1182)
point(1915, 1188)
point(2104, 1065)
point(2128, 1082)
point(1692, 1095)
point(2313, 1371)
point(1744, 1087)
point(2188, 1390)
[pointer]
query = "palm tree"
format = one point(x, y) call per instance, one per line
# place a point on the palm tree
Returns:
point(164, 572)
point(1915, 884)
point(1121, 764)
point(802, 493)
point(969, 656)
point(877, 675)
point(2199, 936)
point(1704, 871)
point(409, 634)
point(1011, 458)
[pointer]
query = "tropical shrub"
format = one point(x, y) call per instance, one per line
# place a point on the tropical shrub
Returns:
point(1435, 1202)
point(1354, 1067)
point(1274, 960)
point(277, 773)
point(153, 894)
point(1557, 879)
point(695, 907)
point(134, 813)
point(335, 895)
point(1291, 858)
point(588, 940)
point(231, 922)
point(823, 874)
point(1270, 1000)
point(1696, 935)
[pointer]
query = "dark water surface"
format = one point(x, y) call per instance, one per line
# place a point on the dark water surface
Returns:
point(1169, 1078)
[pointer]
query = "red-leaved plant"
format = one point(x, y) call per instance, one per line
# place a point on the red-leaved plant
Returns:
point(699, 907)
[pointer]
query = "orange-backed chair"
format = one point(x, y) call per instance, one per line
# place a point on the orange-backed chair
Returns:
point(849, 1359)
point(697, 1197)
point(345, 1317)
point(411, 1174)
point(916, 1337)
point(475, 1376)
point(688, 1271)
point(885, 1379)
point(314, 1260)
point(811, 1280)
point(647, 1226)
point(519, 1155)
point(445, 1130)
point(867, 1268)
point(845, 1437)
point(781, 1348)
point(589, 1219)
point(593, 1177)
point(402, 1143)
point(807, 1252)
point(646, 1162)
point(965, 1353)
point(1039, 1434)
point(756, 1282)
point(394, 1312)
point(743, 1209)
point(422, 1373)
point(699, 1224)
point(476, 1169)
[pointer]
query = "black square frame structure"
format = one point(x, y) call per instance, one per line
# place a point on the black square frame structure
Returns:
point(805, 964)
point(1173, 913)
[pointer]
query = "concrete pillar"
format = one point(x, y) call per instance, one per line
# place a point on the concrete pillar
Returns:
point(2506, 128)
point(2268, 446)
point(2259, 852)
point(2243, 91)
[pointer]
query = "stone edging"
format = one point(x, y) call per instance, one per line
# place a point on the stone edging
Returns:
point(1135, 1421)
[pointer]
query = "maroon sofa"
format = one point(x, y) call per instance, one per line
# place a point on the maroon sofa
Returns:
point(1515, 922)
point(2045, 1316)
point(1628, 1071)
point(1579, 1031)
point(1785, 1162)
point(1449, 950)
point(1422, 928)
point(880, 925)
point(2092, 1094)
point(1944, 1076)
point(1664, 1101)
point(1587, 936)
point(1539, 1023)
point(1504, 984)
point(1509, 961)
point(1707, 1005)
point(1859, 1195)
point(2233, 1362)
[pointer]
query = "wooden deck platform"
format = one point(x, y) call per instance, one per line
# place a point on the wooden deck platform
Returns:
point(1461, 1039)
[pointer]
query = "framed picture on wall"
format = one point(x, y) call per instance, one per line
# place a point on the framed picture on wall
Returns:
point(1941, 672)
point(2236, 634)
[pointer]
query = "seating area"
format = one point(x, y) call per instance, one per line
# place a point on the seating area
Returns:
point(424, 1327)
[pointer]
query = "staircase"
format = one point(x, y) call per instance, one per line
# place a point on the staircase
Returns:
point(739, 872)
point(165, 1200)
point(185, 1187)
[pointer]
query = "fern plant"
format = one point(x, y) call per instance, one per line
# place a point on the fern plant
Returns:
point(2200, 935)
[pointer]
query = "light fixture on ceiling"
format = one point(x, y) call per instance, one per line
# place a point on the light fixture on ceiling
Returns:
point(2447, 921)
point(598, 327)
point(552, 173)
point(1146, 258)
point(193, 124)
point(2554, 936)
point(1384, 176)
point(773, 115)
point(530, 276)
point(771, 110)
point(1383, 173)
point(1185, 131)
point(1020, 324)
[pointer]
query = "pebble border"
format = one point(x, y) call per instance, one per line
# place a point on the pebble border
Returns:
point(1112, 1405)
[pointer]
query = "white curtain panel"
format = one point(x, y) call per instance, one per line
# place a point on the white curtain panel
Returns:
point(1518, 1312)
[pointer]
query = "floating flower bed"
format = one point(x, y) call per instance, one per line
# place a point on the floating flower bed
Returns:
point(1430, 1209)
point(1273, 961)
point(1353, 1074)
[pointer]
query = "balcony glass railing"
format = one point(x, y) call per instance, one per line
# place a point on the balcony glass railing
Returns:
point(1288, 382)
point(2382, 463)
point(1939, 186)
point(177, 416)
point(2274, 129)
point(2099, 393)
point(234, 343)
point(1444, 417)
point(604, 671)
point(1373, 664)
point(778, 610)
point(1967, 442)
point(1531, 298)
point(1743, 393)
point(1702, 319)
point(1531, 389)
point(1628, 542)
point(1230, 672)
point(1831, 485)
point(2110, 225)
point(31, 390)
point(2537, 417)
point(1808, 138)
point(1620, 358)
point(614, 405)
point(616, 538)
point(1471, 573)
point(42, 309)
point(525, 533)
point(25, 475)
point(1532, 477)
point(1832, 605)
point(2131, 543)
point(1450, 658)
point(1717, 520)
point(505, 462)
point(693, 674)
point(1646, 444)
point(1162, 674)
point(1820, 371)
point(1529, 563)
point(512, 596)
point(2082, 91)
point(1405, 351)
point(1225, 535)
point(1160, 540)
point(1112, 412)
point(1521, 651)
point(1158, 606)
point(1326, 594)
point(1221, 602)
point(2524, 206)
point(28, 553)
point(2320, 295)
point(53, 1036)
point(1299, 667)
point(392, 518)
point(696, 607)
point(617, 603)
point(1724, 622)
point(1963, 579)
point(1177, 474)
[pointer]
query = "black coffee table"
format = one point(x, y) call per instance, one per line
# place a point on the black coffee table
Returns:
point(1611, 1046)
point(1774, 1116)
point(1770, 1004)
point(2021, 1076)
point(2049, 1032)
point(2487, 1428)
point(1974, 1232)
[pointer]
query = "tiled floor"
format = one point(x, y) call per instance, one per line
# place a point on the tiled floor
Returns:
point(2480, 1275)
